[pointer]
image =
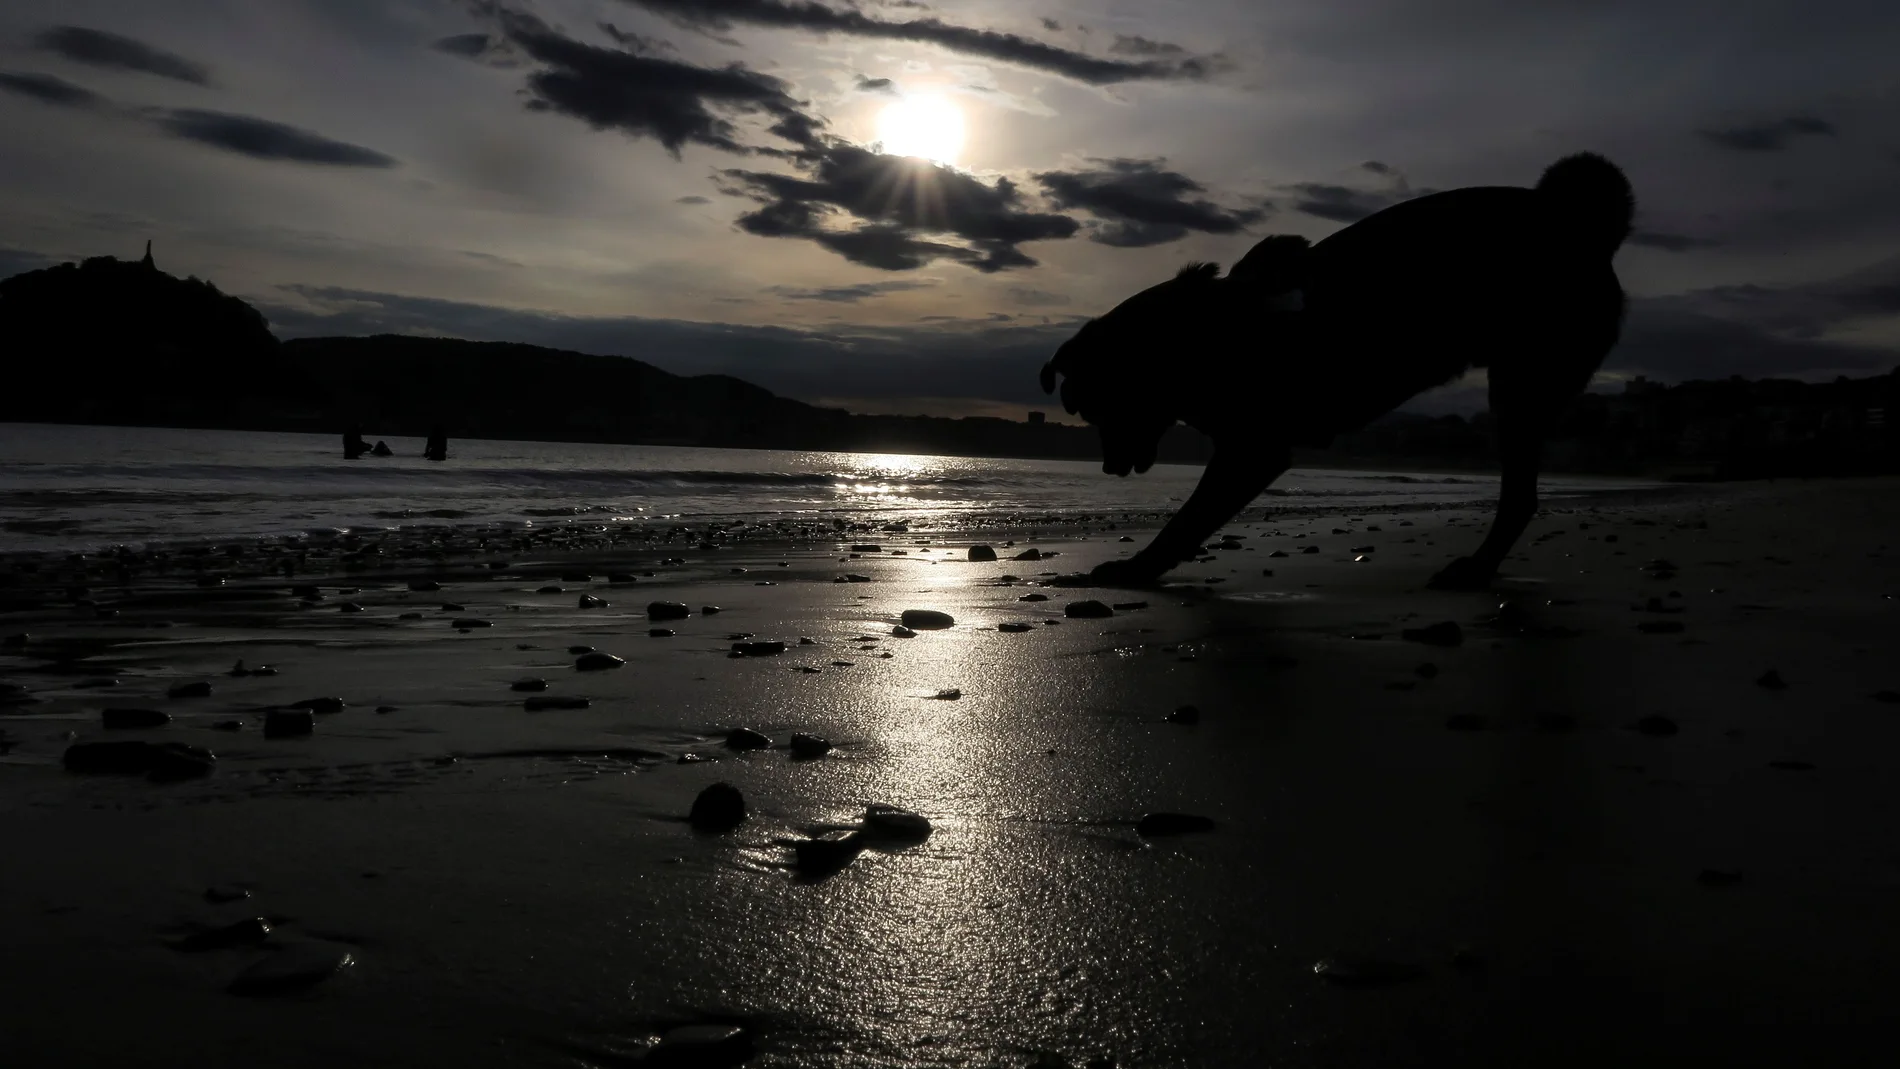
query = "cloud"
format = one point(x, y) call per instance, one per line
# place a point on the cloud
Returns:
point(646, 96)
point(1668, 242)
point(466, 45)
point(1142, 203)
point(101, 49)
point(693, 199)
point(263, 139)
point(16, 261)
point(1770, 136)
point(875, 85)
point(722, 15)
point(1671, 341)
point(851, 294)
point(1136, 45)
point(1808, 310)
point(904, 202)
point(49, 90)
point(1343, 204)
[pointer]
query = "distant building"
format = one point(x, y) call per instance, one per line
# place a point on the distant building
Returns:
point(1038, 417)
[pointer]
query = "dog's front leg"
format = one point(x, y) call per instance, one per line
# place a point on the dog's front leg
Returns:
point(1232, 479)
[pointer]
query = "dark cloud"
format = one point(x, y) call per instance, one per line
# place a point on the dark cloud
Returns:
point(722, 15)
point(875, 85)
point(263, 139)
point(1378, 168)
point(101, 49)
point(851, 294)
point(671, 101)
point(15, 261)
point(694, 199)
point(1343, 204)
point(1668, 242)
point(1142, 203)
point(905, 204)
point(1136, 45)
point(1805, 311)
point(1051, 25)
point(49, 90)
point(1772, 136)
point(945, 358)
point(1666, 339)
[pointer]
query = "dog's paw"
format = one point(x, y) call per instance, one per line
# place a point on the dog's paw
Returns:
point(1463, 574)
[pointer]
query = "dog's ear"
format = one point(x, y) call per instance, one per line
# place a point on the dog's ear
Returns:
point(1274, 263)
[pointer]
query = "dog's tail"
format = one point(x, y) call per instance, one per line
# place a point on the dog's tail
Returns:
point(1593, 198)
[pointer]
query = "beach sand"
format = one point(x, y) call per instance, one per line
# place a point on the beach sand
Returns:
point(1499, 868)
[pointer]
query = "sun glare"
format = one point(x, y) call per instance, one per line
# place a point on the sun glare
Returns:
point(929, 127)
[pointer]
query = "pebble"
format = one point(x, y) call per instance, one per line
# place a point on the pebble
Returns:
point(528, 684)
point(667, 610)
point(621, 577)
point(927, 619)
point(292, 968)
point(1891, 697)
point(424, 586)
point(556, 701)
point(1172, 824)
point(1310, 549)
point(218, 896)
point(249, 930)
point(1034, 597)
point(1032, 553)
point(900, 631)
point(551, 590)
point(228, 725)
point(852, 577)
point(589, 601)
point(827, 853)
point(1079, 610)
point(319, 705)
point(948, 694)
point(746, 739)
point(982, 553)
point(597, 661)
point(465, 622)
point(892, 822)
point(759, 648)
point(1186, 714)
point(710, 610)
point(720, 807)
point(659, 632)
point(575, 650)
point(287, 723)
point(1428, 670)
point(1444, 633)
point(1015, 627)
point(133, 718)
point(199, 689)
point(809, 746)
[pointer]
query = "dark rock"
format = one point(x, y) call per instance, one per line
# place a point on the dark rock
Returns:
point(122, 758)
point(1891, 697)
point(578, 650)
point(424, 586)
point(1033, 597)
point(597, 661)
point(249, 930)
point(18, 639)
point(1428, 670)
point(1130, 606)
point(746, 739)
point(1277, 553)
point(409, 616)
point(1445, 633)
point(550, 589)
point(619, 578)
point(667, 610)
point(468, 622)
point(1186, 714)
point(867, 548)
point(1772, 680)
point(172, 761)
point(319, 705)
point(1718, 877)
point(528, 684)
point(890, 822)
point(1556, 722)
point(228, 725)
point(133, 718)
point(759, 648)
point(803, 641)
point(1657, 726)
point(809, 746)
point(720, 807)
point(1467, 722)
point(1310, 549)
point(710, 610)
point(853, 577)
point(349, 606)
point(982, 554)
point(199, 689)
point(660, 632)
point(292, 969)
point(542, 702)
point(927, 619)
point(1015, 627)
point(1089, 610)
point(1125, 538)
point(218, 896)
point(1792, 766)
point(1172, 824)
point(828, 853)
point(900, 631)
point(1365, 972)
point(1032, 553)
point(576, 577)
point(589, 601)
point(449, 606)
point(287, 723)
point(948, 694)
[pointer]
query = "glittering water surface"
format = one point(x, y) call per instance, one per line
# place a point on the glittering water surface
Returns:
point(66, 487)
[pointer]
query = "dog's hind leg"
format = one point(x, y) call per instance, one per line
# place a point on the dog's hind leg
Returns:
point(1232, 479)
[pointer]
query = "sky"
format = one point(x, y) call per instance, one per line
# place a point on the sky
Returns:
point(720, 185)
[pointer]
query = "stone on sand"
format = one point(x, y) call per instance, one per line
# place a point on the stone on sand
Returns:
point(199, 689)
point(133, 718)
point(809, 746)
point(597, 661)
point(1015, 627)
point(1086, 610)
point(528, 684)
point(287, 723)
point(1172, 824)
point(927, 619)
point(424, 586)
point(541, 702)
point(589, 601)
point(249, 930)
point(827, 853)
point(667, 610)
point(746, 739)
point(292, 968)
point(982, 554)
point(720, 807)
point(319, 705)
point(895, 823)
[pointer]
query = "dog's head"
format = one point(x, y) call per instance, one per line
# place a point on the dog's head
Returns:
point(1129, 372)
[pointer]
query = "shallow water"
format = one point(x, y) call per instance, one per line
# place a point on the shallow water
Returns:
point(70, 487)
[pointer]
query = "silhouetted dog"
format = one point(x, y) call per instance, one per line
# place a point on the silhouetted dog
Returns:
point(1297, 344)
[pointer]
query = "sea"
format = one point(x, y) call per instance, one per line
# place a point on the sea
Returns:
point(82, 488)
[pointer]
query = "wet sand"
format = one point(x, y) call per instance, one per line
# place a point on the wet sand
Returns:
point(1504, 863)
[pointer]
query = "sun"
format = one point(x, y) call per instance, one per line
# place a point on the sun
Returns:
point(929, 127)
